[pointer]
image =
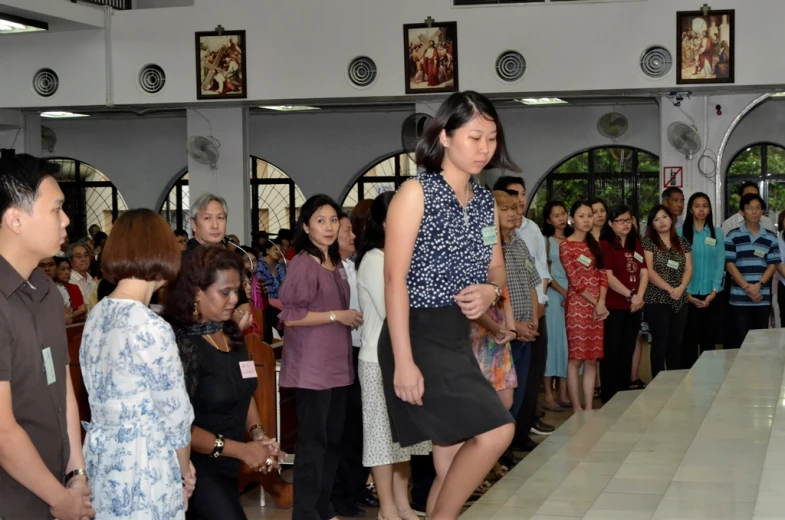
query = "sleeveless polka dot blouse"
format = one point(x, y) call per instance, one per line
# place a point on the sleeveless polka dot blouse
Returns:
point(449, 253)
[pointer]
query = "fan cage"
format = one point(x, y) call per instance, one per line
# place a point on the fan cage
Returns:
point(362, 72)
point(510, 66)
point(152, 79)
point(656, 62)
point(46, 82)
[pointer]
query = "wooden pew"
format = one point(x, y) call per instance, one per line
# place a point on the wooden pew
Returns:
point(264, 359)
point(73, 334)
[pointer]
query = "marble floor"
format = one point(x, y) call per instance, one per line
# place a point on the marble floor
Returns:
point(708, 443)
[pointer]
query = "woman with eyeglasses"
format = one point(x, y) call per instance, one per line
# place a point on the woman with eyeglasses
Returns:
point(627, 280)
point(708, 251)
point(669, 262)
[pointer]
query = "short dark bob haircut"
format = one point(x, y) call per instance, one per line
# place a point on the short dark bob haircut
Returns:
point(749, 199)
point(200, 271)
point(302, 242)
point(456, 112)
point(142, 246)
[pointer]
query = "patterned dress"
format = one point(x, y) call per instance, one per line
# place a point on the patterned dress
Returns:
point(585, 337)
point(495, 360)
point(140, 412)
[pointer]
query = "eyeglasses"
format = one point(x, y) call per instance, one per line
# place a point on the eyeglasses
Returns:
point(623, 221)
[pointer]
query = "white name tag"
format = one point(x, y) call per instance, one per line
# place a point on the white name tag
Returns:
point(528, 264)
point(584, 260)
point(489, 236)
point(638, 257)
point(344, 276)
point(710, 241)
point(760, 253)
point(673, 264)
point(248, 369)
point(49, 366)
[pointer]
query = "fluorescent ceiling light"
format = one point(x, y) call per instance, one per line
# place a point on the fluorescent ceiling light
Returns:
point(289, 108)
point(541, 101)
point(61, 115)
point(779, 94)
point(14, 24)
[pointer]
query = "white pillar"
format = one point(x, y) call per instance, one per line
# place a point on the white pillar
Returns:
point(230, 178)
point(712, 129)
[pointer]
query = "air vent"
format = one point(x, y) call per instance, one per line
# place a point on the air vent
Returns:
point(152, 79)
point(510, 66)
point(656, 62)
point(362, 72)
point(45, 82)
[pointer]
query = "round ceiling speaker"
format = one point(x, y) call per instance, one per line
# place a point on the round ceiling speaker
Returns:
point(510, 66)
point(362, 72)
point(656, 62)
point(45, 82)
point(152, 79)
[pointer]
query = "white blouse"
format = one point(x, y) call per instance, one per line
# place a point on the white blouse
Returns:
point(370, 290)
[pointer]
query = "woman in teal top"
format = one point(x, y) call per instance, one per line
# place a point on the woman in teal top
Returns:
point(708, 260)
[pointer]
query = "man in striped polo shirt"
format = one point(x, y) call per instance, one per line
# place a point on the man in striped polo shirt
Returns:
point(751, 258)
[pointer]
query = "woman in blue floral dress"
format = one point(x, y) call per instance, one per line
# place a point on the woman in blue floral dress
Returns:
point(138, 443)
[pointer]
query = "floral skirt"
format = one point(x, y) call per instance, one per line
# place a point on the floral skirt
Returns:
point(495, 360)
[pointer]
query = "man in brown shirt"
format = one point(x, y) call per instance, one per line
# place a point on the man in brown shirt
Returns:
point(40, 440)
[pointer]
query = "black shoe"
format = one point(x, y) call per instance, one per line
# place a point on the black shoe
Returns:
point(349, 511)
point(509, 459)
point(527, 445)
point(541, 428)
point(367, 499)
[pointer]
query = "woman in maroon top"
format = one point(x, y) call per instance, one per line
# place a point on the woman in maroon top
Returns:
point(317, 353)
point(627, 281)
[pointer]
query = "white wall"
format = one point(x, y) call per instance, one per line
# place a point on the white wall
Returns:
point(300, 49)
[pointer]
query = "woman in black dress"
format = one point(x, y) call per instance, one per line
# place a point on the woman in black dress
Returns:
point(444, 267)
point(220, 380)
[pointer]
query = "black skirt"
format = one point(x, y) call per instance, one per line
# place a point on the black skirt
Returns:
point(459, 403)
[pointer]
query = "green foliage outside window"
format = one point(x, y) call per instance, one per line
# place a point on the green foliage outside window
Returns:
point(763, 164)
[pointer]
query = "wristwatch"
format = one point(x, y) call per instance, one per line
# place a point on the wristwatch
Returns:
point(333, 317)
point(498, 291)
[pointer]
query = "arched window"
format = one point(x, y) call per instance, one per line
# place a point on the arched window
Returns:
point(386, 175)
point(763, 164)
point(619, 175)
point(273, 194)
point(90, 197)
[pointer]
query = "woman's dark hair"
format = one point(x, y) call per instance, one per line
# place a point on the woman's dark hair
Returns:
point(199, 271)
point(781, 223)
point(60, 259)
point(302, 242)
point(688, 229)
point(594, 246)
point(455, 112)
point(359, 218)
point(652, 234)
point(374, 229)
point(607, 233)
point(547, 228)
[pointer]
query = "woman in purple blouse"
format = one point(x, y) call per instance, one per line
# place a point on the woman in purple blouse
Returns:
point(317, 353)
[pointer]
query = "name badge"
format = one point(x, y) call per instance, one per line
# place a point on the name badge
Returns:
point(584, 260)
point(247, 369)
point(344, 276)
point(673, 264)
point(489, 236)
point(638, 257)
point(49, 366)
point(760, 253)
point(528, 264)
point(710, 241)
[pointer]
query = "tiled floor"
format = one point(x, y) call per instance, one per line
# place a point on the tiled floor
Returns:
point(703, 444)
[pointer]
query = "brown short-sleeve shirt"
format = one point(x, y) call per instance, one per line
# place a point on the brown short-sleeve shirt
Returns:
point(32, 320)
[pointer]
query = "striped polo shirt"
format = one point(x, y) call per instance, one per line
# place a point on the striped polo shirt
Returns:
point(752, 255)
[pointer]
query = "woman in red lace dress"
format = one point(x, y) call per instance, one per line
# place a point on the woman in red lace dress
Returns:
point(585, 304)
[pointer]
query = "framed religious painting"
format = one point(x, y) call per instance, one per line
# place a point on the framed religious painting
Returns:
point(705, 47)
point(430, 52)
point(220, 65)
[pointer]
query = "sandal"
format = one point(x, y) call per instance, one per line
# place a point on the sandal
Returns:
point(553, 408)
point(501, 472)
point(637, 385)
point(565, 404)
point(597, 390)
